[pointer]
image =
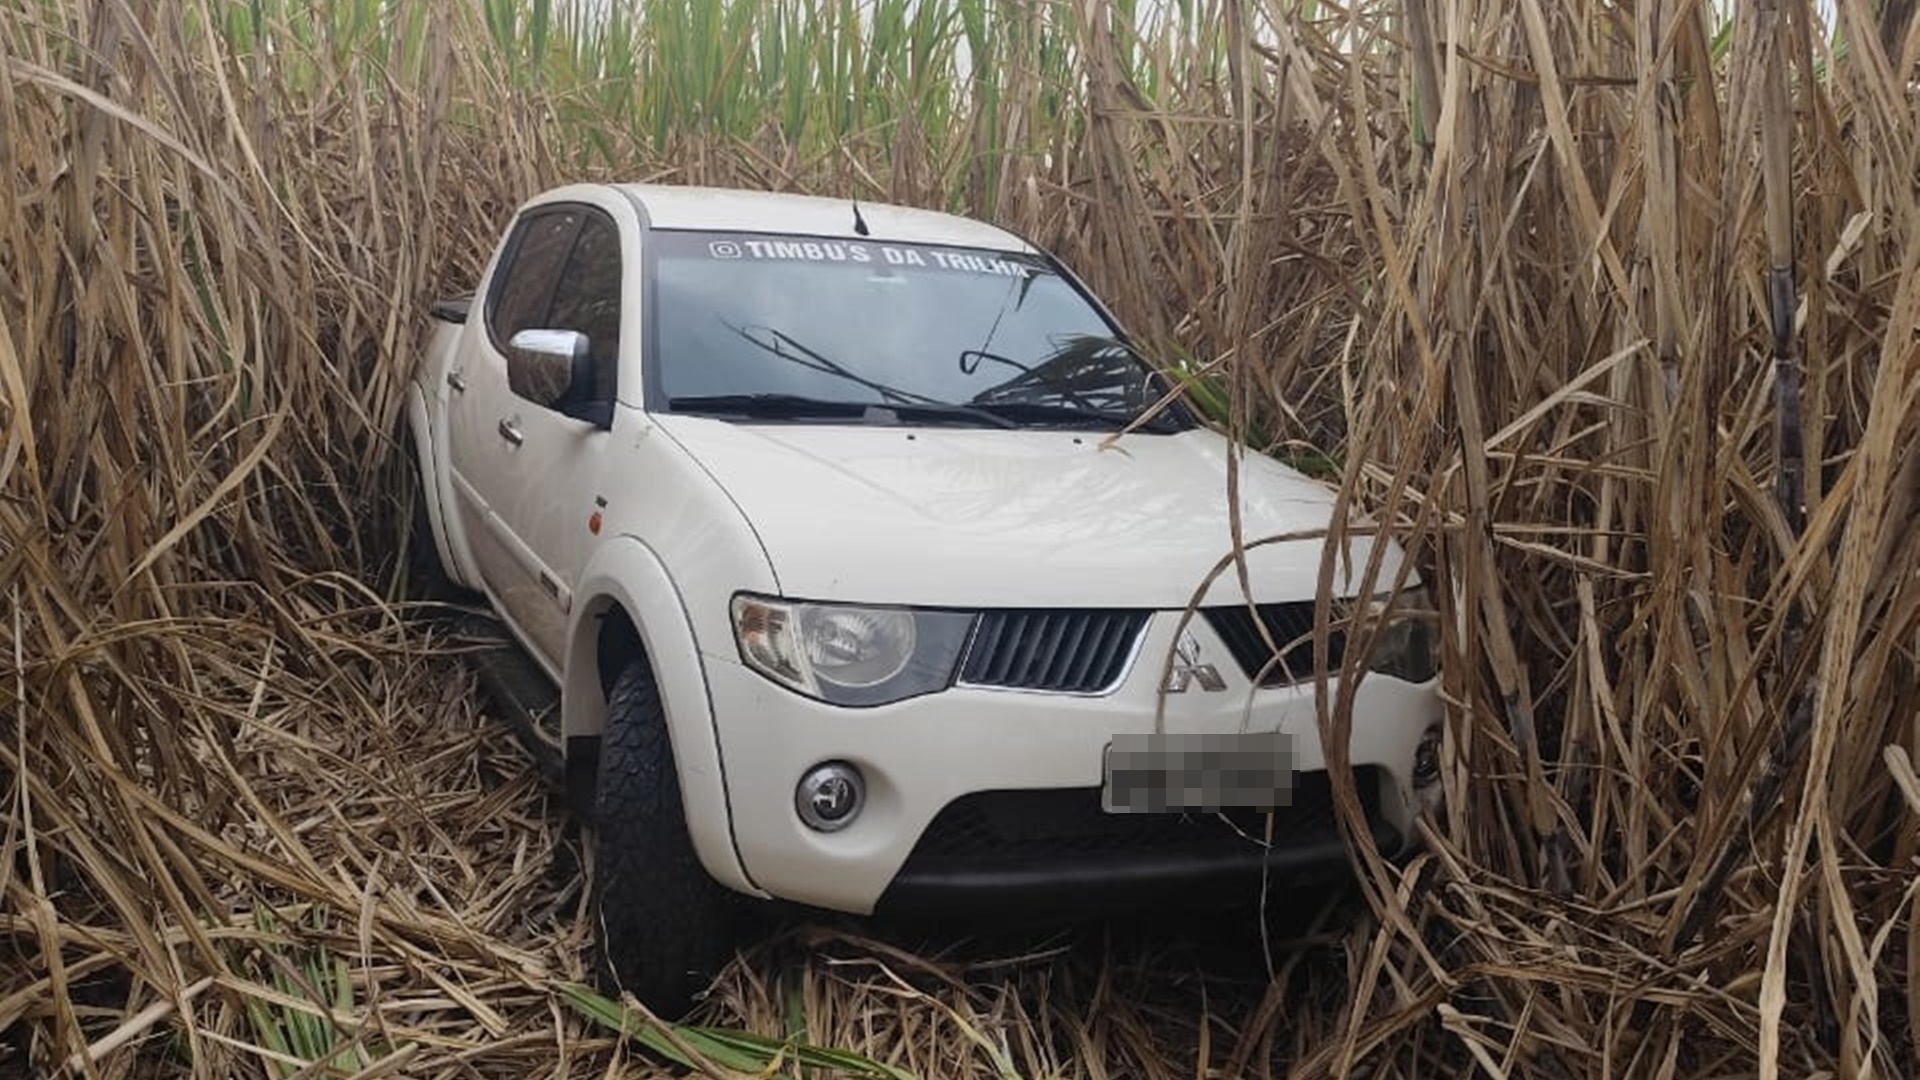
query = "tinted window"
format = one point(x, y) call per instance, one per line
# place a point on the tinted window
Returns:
point(588, 298)
point(877, 322)
point(533, 265)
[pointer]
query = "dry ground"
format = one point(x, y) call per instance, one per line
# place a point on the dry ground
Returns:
point(417, 844)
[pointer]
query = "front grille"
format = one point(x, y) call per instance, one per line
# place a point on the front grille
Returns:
point(1290, 624)
point(997, 828)
point(1076, 652)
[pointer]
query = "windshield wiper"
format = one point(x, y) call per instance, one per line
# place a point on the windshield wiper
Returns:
point(940, 410)
point(796, 407)
point(1040, 412)
point(787, 406)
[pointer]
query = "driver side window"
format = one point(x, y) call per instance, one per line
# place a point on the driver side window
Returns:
point(588, 299)
point(563, 273)
point(526, 287)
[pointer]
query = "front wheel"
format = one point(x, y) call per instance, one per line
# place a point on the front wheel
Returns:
point(659, 917)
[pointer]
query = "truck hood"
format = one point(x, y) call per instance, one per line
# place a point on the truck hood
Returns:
point(970, 518)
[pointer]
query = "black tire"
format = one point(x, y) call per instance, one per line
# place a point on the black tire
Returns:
point(426, 576)
point(661, 922)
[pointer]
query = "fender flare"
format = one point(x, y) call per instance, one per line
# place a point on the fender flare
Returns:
point(626, 573)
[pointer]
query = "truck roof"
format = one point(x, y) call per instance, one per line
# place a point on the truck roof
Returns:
point(674, 206)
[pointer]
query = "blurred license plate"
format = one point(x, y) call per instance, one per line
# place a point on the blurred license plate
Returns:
point(1155, 774)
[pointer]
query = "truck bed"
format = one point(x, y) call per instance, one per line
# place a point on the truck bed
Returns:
point(452, 309)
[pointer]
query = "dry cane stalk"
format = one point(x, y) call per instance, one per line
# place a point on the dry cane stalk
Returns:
point(1776, 149)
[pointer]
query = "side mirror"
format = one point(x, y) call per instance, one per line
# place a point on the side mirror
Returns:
point(553, 368)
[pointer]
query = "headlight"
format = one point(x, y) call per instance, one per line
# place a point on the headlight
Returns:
point(1406, 644)
point(850, 655)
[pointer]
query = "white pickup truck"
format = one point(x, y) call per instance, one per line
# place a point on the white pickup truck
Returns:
point(813, 513)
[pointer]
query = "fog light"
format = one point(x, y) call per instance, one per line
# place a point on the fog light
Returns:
point(829, 796)
point(1426, 759)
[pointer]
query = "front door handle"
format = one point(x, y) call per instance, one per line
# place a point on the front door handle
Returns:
point(510, 431)
point(457, 381)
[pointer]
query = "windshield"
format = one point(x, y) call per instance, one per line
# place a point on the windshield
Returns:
point(799, 328)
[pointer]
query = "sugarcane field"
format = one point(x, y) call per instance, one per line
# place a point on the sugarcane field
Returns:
point(942, 539)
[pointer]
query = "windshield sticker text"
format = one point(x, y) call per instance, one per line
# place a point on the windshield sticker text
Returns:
point(835, 251)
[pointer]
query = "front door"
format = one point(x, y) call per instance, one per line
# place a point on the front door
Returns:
point(535, 470)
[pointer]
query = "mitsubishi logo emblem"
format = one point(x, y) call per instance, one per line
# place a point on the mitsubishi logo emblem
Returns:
point(1188, 669)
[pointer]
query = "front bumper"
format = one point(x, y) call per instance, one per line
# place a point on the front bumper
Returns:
point(1051, 851)
point(1021, 772)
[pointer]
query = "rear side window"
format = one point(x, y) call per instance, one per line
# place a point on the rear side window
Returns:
point(525, 291)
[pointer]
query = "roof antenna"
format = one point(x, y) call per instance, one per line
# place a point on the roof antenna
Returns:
point(859, 225)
